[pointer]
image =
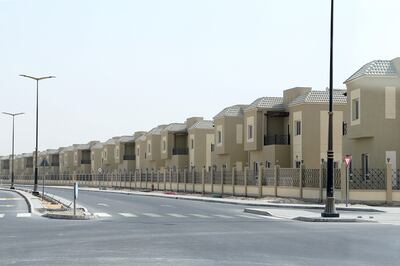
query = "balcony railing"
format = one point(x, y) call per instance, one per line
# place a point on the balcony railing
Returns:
point(129, 157)
point(180, 151)
point(55, 164)
point(85, 161)
point(277, 140)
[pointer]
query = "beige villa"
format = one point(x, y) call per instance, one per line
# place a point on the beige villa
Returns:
point(292, 129)
point(149, 150)
point(96, 158)
point(66, 159)
point(175, 144)
point(372, 123)
point(229, 147)
point(5, 166)
point(201, 144)
point(52, 156)
point(125, 152)
point(82, 157)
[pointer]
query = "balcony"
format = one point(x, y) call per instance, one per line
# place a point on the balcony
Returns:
point(129, 157)
point(180, 151)
point(277, 140)
point(85, 161)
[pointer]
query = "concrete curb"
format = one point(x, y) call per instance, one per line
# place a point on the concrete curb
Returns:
point(227, 201)
point(68, 217)
point(331, 220)
point(27, 200)
point(310, 219)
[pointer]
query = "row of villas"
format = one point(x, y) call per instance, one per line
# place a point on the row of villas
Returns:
point(289, 131)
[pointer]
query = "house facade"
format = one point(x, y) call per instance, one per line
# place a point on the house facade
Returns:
point(125, 152)
point(229, 146)
point(5, 166)
point(201, 144)
point(372, 115)
point(149, 150)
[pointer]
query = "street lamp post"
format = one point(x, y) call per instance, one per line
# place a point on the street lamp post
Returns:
point(330, 209)
point(35, 186)
point(12, 154)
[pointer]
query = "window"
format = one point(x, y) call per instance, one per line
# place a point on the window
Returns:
point(267, 164)
point(149, 147)
point(365, 165)
point(219, 136)
point(164, 145)
point(212, 147)
point(355, 112)
point(298, 164)
point(192, 144)
point(298, 128)
point(344, 128)
point(117, 152)
point(239, 134)
point(138, 152)
point(249, 131)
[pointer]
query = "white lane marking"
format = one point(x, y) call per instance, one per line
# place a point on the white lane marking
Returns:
point(177, 215)
point(10, 199)
point(127, 214)
point(7, 206)
point(223, 216)
point(200, 215)
point(103, 204)
point(249, 216)
point(102, 214)
point(24, 215)
point(154, 215)
point(1, 215)
point(169, 206)
point(275, 218)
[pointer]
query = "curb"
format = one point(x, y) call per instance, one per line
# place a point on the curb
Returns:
point(68, 217)
point(311, 219)
point(331, 220)
point(27, 200)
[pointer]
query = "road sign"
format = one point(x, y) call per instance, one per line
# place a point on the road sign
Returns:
point(44, 163)
point(347, 160)
point(76, 189)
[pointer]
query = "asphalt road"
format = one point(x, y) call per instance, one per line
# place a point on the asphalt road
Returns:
point(140, 230)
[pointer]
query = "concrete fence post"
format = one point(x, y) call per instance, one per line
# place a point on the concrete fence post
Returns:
point(135, 178)
point(203, 188)
point(343, 183)
point(301, 178)
point(276, 180)
point(185, 179)
point(165, 179)
point(170, 179)
point(246, 172)
point(222, 180)
point(177, 179)
point(321, 175)
point(233, 180)
point(158, 179)
point(389, 184)
point(140, 178)
point(212, 179)
point(260, 176)
point(193, 180)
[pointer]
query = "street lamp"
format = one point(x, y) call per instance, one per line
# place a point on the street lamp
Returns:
point(330, 209)
point(35, 186)
point(12, 154)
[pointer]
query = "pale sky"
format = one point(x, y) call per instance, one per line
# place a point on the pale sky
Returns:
point(125, 66)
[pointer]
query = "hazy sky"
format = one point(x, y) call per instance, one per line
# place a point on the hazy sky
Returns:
point(124, 66)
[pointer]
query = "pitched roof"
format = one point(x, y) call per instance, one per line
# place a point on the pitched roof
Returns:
point(320, 97)
point(376, 68)
point(267, 102)
point(232, 111)
point(176, 127)
point(205, 124)
point(157, 130)
point(97, 146)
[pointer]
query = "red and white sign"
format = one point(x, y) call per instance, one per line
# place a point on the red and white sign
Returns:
point(347, 159)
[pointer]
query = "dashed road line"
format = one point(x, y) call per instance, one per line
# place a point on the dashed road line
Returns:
point(103, 204)
point(153, 215)
point(127, 214)
point(177, 215)
point(249, 216)
point(102, 215)
point(24, 215)
point(199, 215)
point(223, 216)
